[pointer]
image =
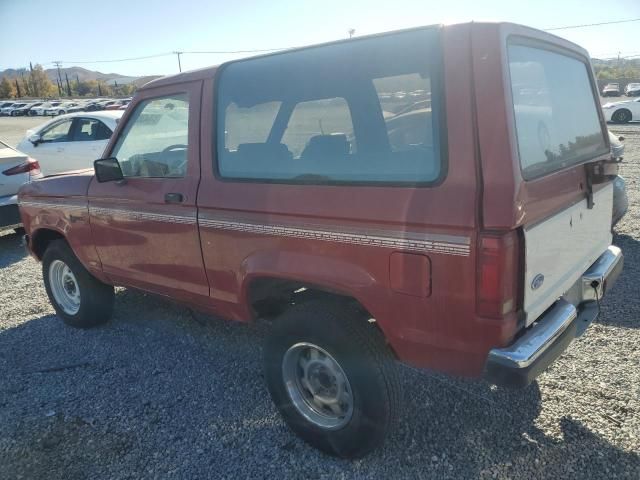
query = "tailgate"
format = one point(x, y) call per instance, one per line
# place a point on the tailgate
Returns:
point(560, 248)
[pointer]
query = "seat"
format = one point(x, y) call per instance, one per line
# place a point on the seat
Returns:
point(326, 146)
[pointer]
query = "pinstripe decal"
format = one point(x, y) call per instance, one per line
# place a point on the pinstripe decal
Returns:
point(402, 240)
point(143, 216)
point(68, 205)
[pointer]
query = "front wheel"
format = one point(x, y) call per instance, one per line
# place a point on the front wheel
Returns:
point(78, 298)
point(332, 377)
point(621, 116)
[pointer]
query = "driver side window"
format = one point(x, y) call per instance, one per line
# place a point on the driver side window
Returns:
point(154, 142)
point(58, 133)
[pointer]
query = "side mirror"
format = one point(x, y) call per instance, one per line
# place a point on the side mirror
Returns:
point(107, 170)
point(36, 139)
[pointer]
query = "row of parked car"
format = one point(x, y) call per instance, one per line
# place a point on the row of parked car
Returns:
point(60, 107)
point(62, 144)
point(613, 90)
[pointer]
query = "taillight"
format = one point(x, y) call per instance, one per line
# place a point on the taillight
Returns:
point(497, 282)
point(30, 165)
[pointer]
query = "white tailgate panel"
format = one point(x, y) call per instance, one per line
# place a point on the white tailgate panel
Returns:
point(562, 247)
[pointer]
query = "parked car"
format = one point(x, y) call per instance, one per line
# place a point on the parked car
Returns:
point(622, 112)
point(8, 110)
point(5, 104)
point(16, 169)
point(632, 90)
point(70, 142)
point(63, 108)
point(611, 90)
point(118, 105)
point(41, 109)
point(253, 202)
point(93, 106)
point(620, 198)
point(25, 110)
point(76, 108)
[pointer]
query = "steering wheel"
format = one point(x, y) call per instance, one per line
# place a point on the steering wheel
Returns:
point(174, 147)
point(182, 166)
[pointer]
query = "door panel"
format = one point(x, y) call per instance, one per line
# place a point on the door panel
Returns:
point(143, 240)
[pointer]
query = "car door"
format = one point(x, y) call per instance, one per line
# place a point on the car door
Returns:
point(145, 226)
point(88, 139)
point(50, 150)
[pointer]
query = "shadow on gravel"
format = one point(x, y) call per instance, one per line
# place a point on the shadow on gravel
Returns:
point(473, 430)
point(159, 392)
point(621, 306)
point(11, 249)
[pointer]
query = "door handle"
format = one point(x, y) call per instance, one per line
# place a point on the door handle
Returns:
point(173, 198)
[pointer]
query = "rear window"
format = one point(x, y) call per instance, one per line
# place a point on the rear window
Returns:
point(556, 116)
point(363, 111)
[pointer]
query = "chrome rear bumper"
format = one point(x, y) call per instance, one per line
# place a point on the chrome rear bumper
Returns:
point(530, 354)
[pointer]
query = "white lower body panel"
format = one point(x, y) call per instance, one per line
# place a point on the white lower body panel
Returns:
point(561, 248)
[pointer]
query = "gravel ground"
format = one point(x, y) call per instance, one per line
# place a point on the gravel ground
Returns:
point(158, 393)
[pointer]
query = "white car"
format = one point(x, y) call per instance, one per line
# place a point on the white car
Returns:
point(622, 112)
point(632, 90)
point(16, 168)
point(70, 142)
point(8, 110)
point(66, 107)
point(39, 110)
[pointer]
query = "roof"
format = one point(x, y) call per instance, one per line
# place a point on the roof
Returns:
point(209, 72)
point(112, 114)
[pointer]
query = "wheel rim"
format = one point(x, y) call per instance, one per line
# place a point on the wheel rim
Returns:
point(621, 116)
point(318, 387)
point(64, 287)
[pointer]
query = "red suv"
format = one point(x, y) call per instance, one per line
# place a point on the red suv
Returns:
point(439, 196)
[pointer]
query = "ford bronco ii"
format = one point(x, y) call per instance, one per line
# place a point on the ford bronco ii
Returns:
point(439, 196)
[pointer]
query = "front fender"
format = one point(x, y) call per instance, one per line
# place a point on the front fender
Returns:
point(69, 218)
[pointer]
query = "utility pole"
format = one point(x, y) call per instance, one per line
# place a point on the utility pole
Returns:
point(57, 64)
point(618, 65)
point(179, 64)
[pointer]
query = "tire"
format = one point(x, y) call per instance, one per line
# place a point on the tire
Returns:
point(60, 112)
point(621, 116)
point(89, 302)
point(366, 375)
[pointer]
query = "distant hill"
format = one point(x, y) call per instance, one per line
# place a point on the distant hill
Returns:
point(83, 74)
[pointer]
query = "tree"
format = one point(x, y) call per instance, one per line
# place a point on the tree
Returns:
point(7, 88)
point(40, 83)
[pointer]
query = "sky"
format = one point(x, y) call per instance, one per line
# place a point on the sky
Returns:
point(72, 31)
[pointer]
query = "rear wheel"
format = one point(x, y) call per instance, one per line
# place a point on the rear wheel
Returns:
point(332, 377)
point(78, 297)
point(621, 116)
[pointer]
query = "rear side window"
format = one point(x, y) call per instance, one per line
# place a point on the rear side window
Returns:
point(363, 111)
point(556, 116)
point(89, 130)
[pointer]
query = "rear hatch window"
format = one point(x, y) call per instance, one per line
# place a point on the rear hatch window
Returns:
point(556, 112)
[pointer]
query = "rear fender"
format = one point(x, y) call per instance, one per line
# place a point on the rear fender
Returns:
point(329, 274)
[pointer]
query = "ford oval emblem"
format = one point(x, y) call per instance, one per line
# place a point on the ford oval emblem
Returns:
point(537, 281)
